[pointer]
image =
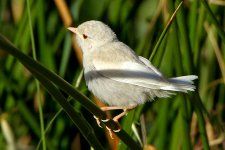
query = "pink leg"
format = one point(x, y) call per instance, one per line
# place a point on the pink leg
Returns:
point(116, 118)
point(106, 108)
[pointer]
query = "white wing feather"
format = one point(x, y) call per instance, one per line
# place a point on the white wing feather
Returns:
point(136, 70)
point(119, 63)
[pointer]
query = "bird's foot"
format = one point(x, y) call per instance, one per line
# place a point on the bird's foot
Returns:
point(110, 130)
point(99, 121)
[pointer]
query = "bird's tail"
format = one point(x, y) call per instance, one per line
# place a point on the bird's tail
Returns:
point(181, 84)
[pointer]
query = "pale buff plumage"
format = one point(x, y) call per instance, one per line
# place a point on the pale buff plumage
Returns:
point(116, 75)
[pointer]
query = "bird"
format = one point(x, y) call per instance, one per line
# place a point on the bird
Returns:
point(119, 77)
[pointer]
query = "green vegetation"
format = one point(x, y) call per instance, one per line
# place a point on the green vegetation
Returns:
point(40, 67)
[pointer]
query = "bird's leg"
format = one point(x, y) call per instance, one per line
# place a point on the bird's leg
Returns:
point(108, 108)
point(98, 121)
point(116, 118)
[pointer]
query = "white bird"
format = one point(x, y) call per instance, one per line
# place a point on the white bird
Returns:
point(116, 75)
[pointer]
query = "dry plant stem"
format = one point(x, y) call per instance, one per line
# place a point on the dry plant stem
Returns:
point(216, 49)
point(67, 20)
point(214, 20)
point(64, 12)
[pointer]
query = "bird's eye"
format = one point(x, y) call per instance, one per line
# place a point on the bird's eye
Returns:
point(85, 36)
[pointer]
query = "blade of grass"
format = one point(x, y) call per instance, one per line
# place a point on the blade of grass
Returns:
point(162, 117)
point(152, 135)
point(48, 126)
point(26, 60)
point(176, 133)
point(46, 54)
point(29, 118)
point(77, 118)
point(164, 32)
point(184, 121)
point(57, 80)
point(184, 41)
point(214, 20)
point(188, 67)
point(193, 18)
point(65, 55)
point(216, 50)
point(41, 118)
point(198, 35)
point(201, 122)
point(61, 109)
point(163, 125)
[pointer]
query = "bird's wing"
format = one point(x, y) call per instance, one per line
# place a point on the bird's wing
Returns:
point(119, 63)
point(148, 63)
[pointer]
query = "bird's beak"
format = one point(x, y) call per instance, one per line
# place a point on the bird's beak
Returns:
point(74, 30)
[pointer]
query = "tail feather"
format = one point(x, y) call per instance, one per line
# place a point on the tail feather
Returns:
point(181, 84)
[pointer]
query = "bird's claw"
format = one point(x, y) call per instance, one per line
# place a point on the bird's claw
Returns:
point(110, 130)
point(98, 121)
point(118, 124)
point(117, 130)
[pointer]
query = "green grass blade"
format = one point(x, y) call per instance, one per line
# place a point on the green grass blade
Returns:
point(214, 20)
point(36, 81)
point(66, 55)
point(201, 122)
point(27, 61)
point(164, 32)
point(77, 118)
